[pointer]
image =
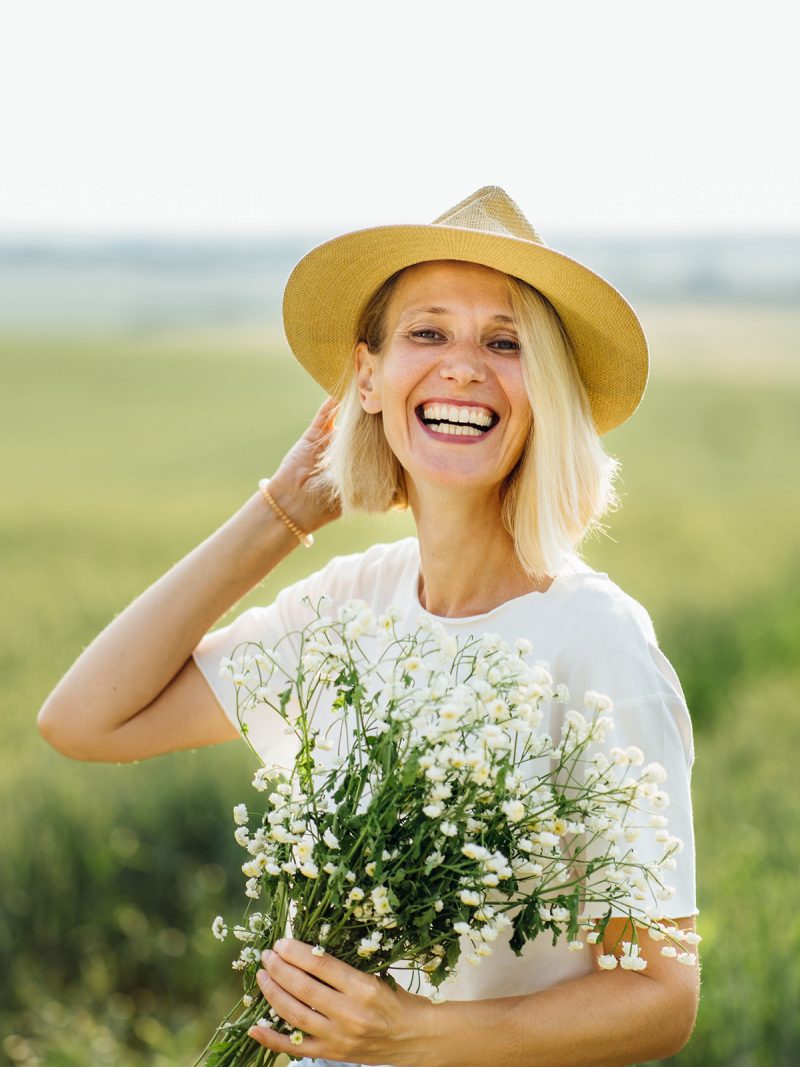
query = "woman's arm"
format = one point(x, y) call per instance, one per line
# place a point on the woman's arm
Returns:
point(134, 692)
point(605, 1019)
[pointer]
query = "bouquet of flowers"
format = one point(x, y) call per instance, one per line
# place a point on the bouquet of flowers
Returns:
point(427, 811)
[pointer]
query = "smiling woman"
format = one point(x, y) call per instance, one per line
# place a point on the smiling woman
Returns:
point(472, 372)
point(554, 485)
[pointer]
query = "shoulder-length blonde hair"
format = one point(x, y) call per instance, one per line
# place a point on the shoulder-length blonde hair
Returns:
point(561, 486)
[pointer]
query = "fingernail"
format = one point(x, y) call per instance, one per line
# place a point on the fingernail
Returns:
point(265, 955)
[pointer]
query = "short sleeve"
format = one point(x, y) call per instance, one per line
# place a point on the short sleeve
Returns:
point(616, 653)
point(269, 625)
point(651, 724)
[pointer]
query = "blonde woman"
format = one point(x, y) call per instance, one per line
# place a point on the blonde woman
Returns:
point(472, 371)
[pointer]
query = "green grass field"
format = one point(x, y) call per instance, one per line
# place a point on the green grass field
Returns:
point(121, 455)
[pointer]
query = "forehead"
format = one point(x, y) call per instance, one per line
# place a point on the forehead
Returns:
point(449, 282)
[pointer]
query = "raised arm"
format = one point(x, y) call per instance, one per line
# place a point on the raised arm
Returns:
point(135, 691)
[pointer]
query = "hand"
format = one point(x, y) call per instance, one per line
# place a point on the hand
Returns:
point(296, 485)
point(345, 1014)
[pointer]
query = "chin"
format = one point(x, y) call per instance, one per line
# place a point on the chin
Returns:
point(442, 478)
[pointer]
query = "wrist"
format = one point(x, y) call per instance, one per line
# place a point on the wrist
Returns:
point(423, 1043)
point(270, 533)
point(300, 500)
point(304, 537)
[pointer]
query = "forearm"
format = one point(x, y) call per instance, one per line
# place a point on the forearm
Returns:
point(600, 1020)
point(128, 664)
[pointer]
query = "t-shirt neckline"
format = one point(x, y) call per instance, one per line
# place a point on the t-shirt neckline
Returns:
point(550, 594)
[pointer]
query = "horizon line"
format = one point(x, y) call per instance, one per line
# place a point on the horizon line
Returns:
point(316, 236)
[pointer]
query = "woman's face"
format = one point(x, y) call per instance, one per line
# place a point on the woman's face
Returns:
point(449, 379)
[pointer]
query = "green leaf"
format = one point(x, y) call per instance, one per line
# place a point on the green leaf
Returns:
point(410, 771)
point(285, 697)
point(453, 952)
point(572, 902)
point(517, 938)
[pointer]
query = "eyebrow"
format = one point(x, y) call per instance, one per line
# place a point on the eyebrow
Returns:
point(431, 309)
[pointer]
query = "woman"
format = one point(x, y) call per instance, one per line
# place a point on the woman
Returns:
point(472, 370)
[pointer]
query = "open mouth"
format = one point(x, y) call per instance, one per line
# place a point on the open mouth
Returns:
point(457, 420)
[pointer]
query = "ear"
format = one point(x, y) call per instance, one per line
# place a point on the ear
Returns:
point(368, 380)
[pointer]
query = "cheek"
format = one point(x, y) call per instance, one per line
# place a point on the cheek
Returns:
point(398, 379)
point(397, 426)
point(520, 401)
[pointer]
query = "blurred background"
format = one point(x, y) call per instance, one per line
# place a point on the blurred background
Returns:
point(165, 165)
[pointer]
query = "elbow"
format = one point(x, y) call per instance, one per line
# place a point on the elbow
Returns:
point(677, 1037)
point(679, 1018)
point(686, 1024)
point(54, 727)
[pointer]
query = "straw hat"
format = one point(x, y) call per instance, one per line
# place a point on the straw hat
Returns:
point(329, 288)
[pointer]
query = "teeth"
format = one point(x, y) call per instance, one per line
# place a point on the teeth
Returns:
point(458, 415)
point(456, 429)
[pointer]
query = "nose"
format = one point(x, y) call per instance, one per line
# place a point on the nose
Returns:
point(462, 363)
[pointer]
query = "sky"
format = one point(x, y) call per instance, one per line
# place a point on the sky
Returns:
point(252, 117)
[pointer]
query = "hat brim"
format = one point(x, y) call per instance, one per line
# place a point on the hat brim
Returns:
point(329, 288)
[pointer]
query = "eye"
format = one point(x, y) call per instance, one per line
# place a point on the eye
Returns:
point(427, 333)
point(505, 344)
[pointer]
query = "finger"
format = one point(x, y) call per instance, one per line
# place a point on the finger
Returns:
point(326, 411)
point(327, 414)
point(309, 1046)
point(335, 973)
point(293, 1011)
point(304, 987)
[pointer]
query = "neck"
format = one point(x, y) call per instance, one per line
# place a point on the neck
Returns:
point(467, 560)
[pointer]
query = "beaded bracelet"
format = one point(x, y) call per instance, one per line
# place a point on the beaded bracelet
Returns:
point(305, 539)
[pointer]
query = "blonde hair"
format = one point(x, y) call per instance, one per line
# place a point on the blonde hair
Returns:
point(561, 486)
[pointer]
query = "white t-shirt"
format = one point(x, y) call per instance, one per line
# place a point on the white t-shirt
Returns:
point(593, 636)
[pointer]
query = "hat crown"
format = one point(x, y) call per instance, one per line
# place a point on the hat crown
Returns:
point(490, 210)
